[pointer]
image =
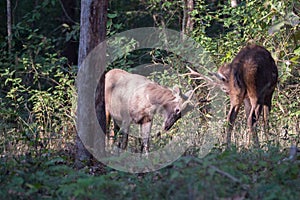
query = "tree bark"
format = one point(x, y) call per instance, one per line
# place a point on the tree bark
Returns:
point(187, 22)
point(9, 29)
point(93, 20)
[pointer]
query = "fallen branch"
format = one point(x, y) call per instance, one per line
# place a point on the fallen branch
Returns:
point(227, 175)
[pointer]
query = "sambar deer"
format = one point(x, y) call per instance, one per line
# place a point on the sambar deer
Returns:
point(250, 78)
point(132, 98)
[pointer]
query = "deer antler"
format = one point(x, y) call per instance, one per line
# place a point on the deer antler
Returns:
point(192, 72)
point(209, 81)
point(190, 96)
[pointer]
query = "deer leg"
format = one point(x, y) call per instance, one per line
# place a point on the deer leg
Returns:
point(145, 129)
point(250, 125)
point(234, 109)
point(124, 132)
point(111, 130)
point(247, 106)
point(108, 118)
point(252, 118)
point(108, 131)
point(124, 141)
point(114, 133)
point(258, 110)
point(266, 111)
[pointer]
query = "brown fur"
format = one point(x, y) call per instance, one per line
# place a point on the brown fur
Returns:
point(250, 78)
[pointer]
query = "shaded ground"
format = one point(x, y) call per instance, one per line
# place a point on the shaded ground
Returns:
point(249, 174)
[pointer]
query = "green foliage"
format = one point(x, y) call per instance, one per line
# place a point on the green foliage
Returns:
point(253, 174)
point(37, 92)
point(113, 27)
point(223, 29)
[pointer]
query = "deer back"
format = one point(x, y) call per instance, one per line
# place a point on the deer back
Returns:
point(252, 72)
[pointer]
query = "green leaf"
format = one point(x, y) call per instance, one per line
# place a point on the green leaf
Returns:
point(112, 15)
point(297, 51)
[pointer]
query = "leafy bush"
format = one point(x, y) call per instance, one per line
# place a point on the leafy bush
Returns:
point(37, 94)
point(253, 174)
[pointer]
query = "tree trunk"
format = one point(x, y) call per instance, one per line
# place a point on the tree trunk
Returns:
point(9, 31)
point(92, 31)
point(187, 22)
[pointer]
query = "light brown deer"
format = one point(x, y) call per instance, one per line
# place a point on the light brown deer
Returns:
point(250, 78)
point(132, 98)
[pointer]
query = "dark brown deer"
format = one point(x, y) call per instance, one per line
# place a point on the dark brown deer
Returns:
point(132, 98)
point(250, 78)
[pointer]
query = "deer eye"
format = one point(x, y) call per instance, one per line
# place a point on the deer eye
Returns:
point(177, 111)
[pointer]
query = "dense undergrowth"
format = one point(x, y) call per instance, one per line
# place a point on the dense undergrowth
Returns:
point(232, 174)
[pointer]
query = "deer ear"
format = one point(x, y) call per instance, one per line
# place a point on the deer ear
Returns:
point(176, 90)
point(187, 95)
point(223, 72)
point(221, 77)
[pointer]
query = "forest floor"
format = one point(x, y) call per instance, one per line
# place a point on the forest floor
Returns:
point(231, 174)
